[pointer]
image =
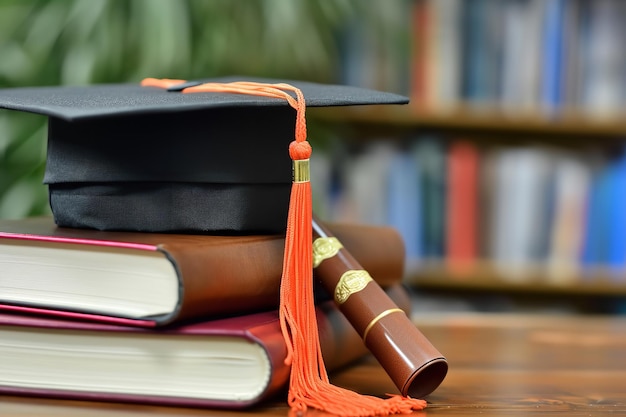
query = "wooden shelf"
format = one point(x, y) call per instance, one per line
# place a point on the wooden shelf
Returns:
point(486, 279)
point(479, 121)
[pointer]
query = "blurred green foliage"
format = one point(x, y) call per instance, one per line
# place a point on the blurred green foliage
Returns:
point(74, 42)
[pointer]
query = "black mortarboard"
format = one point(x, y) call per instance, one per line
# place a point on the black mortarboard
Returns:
point(131, 157)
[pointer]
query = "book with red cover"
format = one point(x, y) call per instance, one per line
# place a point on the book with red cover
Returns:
point(462, 206)
point(227, 363)
point(152, 279)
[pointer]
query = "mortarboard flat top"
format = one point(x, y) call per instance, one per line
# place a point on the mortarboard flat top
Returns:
point(127, 157)
point(107, 100)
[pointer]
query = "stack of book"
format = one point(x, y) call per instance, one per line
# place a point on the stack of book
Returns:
point(171, 319)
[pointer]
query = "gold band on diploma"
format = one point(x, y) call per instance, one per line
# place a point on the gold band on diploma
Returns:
point(351, 282)
point(377, 319)
point(301, 170)
point(324, 248)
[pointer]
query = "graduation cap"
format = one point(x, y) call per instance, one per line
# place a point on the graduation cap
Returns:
point(152, 158)
point(207, 156)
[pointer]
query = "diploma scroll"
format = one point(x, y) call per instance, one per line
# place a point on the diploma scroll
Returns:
point(416, 367)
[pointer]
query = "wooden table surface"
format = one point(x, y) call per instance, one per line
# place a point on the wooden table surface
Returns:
point(500, 365)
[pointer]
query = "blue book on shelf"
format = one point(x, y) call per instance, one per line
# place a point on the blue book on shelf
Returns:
point(597, 222)
point(403, 198)
point(616, 250)
point(553, 50)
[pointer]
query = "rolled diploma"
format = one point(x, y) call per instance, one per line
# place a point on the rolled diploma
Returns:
point(415, 366)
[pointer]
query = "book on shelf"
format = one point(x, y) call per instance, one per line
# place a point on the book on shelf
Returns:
point(604, 244)
point(430, 156)
point(597, 217)
point(573, 57)
point(403, 197)
point(519, 210)
point(604, 61)
point(435, 54)
point(553, 50)
point(231, 362)
point(481, 51)
point(522, 38)
point(571, 187)
point(153, 279)
point(367, 182)
point(462, 207)
point(420, 39)
point(617, 207)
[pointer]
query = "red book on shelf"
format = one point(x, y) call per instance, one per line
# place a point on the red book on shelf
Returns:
point(152, 279)
point(224, 363)
point(462, 206)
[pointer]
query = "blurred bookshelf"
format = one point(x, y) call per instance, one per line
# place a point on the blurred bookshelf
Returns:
point(506, 174)
point(588, 285)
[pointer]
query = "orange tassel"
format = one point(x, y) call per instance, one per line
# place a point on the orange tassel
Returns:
point(309, 384)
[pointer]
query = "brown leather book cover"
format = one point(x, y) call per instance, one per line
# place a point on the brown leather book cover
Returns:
point(167, 362)
point(209, 275)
